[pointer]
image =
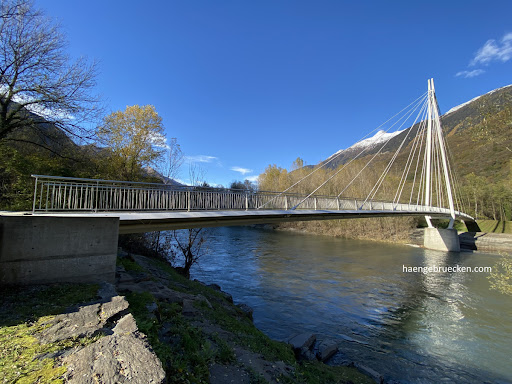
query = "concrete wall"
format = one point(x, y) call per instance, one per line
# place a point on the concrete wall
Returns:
point(38, 249)
point(441, 239)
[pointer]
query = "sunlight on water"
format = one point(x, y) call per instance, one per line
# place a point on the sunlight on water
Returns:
point(409, 327)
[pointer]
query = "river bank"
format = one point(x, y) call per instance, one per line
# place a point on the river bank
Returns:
point(486, 242)
point(165, 329)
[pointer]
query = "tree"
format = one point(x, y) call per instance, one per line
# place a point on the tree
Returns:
point(37, 76)
point(501, 276)
point(190, 244)
point(173, 159)
point(136, 138)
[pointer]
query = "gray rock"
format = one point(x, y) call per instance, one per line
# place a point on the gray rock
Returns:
point(111, 308)
point(247, 310)
point(215, 287)
point(84, 322)
point(188, 308)
point(306, 354)
point(107, 291)
point(87, 321)
point(125, 325)
point(369, 372)
point(115, 359)
point(304, 340)
point(326, 349)
point(203, 299)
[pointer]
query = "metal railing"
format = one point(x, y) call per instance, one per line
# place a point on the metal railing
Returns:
point(56, 193)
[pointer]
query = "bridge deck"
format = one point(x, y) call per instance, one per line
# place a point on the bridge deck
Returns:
point(136, 222)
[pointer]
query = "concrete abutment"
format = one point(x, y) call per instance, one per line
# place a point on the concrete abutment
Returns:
point(38, 249)
point(441, 239)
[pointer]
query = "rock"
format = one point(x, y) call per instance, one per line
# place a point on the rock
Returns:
point(116, 305)
point(87, 321)
point(215, 287)
point(188, 308)
point(326, 349)
point(227, 296)
point(369, 372)
point(84, 322)
point(304, 340)
point(107, 291)
point(125, 325)
point(247, 310)
point(115, 359)
point(306, 354)
point(203, 299)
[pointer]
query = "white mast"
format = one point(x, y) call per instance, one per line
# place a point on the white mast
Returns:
point(428, 153)
point(438, 128)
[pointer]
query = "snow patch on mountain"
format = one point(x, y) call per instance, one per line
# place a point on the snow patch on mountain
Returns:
point(473, 99)
point(378, 138)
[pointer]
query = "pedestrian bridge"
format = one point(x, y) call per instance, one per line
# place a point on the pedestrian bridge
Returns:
point(144, 207)
point(72, 232)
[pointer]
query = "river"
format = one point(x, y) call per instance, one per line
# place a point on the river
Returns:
point(409, 327)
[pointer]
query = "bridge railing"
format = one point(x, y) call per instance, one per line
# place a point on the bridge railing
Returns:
point(54, 194)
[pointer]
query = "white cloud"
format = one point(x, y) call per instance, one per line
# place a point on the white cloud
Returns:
point(199, 159)
point(473, 73)
point(254, 179)
point(494, 51)
point(243, 171)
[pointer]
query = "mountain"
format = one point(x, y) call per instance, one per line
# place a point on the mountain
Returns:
point(478, 133)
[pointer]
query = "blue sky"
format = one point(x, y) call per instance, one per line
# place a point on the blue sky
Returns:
point(245, 84)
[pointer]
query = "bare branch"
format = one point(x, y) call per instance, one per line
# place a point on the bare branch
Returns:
point(36, 75)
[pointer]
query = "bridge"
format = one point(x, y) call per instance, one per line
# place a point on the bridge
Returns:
point(71, 215)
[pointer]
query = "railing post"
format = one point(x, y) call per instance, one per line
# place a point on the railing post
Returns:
point(315, 203)
point(285, 202)
point(188, 195)
point(96, 202)
point(35, 194)
point(338, 202)
point(246, 200)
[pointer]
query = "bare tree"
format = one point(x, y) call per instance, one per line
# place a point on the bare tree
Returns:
point(190, 242)
point(37, 76)
point(174, 159)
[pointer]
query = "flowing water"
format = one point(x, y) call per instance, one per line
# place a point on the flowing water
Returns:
point(408, 327)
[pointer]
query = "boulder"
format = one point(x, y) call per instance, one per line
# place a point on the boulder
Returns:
point(119, 358)
point(188, 308)
point(247, 310)
point(303, 340)
point(326, 349)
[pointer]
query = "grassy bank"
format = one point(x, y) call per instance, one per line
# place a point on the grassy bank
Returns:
point(27, 311)
point(495, 226)
point(217, 333)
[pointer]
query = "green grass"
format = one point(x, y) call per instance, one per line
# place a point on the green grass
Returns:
point(25, 312)
point(186, 357)
point(129, 265)
point(495, 226)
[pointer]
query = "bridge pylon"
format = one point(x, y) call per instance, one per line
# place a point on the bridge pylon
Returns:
point(435, 135)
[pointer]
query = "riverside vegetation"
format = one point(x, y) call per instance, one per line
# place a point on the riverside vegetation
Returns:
point(197, 333)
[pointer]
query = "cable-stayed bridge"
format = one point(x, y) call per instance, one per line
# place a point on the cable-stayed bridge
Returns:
point(89, 213)
point(426, 187)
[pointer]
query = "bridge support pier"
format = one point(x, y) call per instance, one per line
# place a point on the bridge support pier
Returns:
point(39, 249)
point(441, 239)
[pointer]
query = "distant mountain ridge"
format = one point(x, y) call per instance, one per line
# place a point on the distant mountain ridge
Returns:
point(477, 131)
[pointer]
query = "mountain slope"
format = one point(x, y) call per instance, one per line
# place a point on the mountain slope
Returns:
point(478, 133)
